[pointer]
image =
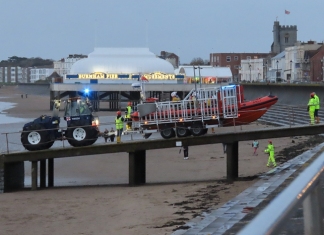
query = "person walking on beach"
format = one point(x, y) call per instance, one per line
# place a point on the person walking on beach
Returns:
point(270, 151)
point(311, 108)
point(317, 107)
point(255, 146)
point(185, 152)
point(119, 121)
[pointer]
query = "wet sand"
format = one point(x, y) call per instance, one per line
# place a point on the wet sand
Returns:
point(177, 189)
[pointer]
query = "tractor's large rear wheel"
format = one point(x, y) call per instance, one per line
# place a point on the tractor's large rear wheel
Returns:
point(35, 137)
point(81, 136)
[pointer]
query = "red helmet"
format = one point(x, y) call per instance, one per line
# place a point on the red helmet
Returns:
point(270, 141)
point(312, 94)
point(118, 113)
point(129, 104)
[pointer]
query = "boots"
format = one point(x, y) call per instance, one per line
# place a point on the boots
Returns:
point(213, 130)
point(317, 120)
point(118, 139)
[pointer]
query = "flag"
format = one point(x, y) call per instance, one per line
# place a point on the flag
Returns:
point(144, 79)
point(287, 12)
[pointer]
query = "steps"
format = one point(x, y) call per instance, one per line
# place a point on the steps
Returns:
point(283, 115)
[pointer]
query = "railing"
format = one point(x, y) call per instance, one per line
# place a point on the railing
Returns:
point(306, 190)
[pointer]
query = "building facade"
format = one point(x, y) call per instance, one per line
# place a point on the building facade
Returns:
point(40, 73)
point(233, 61)
point(171, 57)
point(283, 36)
point(14, 74)
point(64, 65)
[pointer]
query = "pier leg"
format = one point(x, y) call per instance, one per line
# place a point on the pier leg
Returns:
point(50, 172)
point(13, 176)
point(34, 175)
point(137, 167)
point(42, 173)
point(232, 160)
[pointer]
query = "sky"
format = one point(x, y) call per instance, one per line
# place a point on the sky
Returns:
point(53, 29)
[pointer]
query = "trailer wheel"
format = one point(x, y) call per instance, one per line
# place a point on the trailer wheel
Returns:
point(197, 129)
point(167, 133)
point(36, 138)
point(183, 132)
point(81, 136)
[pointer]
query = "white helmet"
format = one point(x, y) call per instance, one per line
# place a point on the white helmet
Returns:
point(194, 93)
point(173, 94)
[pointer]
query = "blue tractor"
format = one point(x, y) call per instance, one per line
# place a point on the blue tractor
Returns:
point(82, 126)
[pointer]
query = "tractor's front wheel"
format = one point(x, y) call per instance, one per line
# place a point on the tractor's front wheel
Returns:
point(81, 136)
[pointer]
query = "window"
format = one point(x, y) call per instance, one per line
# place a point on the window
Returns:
point(236, 66)
point(286, 37)
point(248, 57)
point(228, 58)
point(236, 58)
point(217, 59)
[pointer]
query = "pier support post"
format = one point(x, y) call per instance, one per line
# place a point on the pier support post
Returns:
point(137, 167)
point(13, 176)
point(42, 174)
point(34, 175)
point(50, 172)
point(232, 160)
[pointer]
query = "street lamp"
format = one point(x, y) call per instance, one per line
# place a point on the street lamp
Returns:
point(277, 71)
point(199, 68)
point(194, 69)
point(250, 71)
point(290, 70)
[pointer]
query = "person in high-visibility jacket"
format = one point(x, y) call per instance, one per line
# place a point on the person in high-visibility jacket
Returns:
point(174, 96)
point(311, 108)
point(119, 121)
point(317, 107)
point(270, 151)
point(128, 113)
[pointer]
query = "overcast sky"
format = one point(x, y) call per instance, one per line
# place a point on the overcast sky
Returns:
point(53, 29)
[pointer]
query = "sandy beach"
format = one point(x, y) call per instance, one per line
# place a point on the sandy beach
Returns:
point(177, 189)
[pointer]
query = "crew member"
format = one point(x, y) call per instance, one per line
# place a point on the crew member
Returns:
point(270, 151)
point(174, 96)
point(119, 121)
point(311, 108)
point(128, 113)
point(317, 107)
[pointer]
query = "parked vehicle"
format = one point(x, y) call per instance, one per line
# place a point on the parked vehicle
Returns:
point(201, 109)
point(82, 126)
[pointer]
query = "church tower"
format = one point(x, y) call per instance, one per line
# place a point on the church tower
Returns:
point(283, 36)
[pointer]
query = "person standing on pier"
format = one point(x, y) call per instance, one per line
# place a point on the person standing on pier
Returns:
point(119, 121)
point(128, 113)
point(317, 107)
point(311, 108)
point(270, 151)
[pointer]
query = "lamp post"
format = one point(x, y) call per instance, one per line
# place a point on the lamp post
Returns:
point(194, 69)
point(277, 71)
point(290, 70)
point(266, 71)
point(250, 71)
point(199, 68)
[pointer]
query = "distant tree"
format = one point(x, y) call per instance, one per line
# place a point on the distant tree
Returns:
point(26, 62)
point(197, 61)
